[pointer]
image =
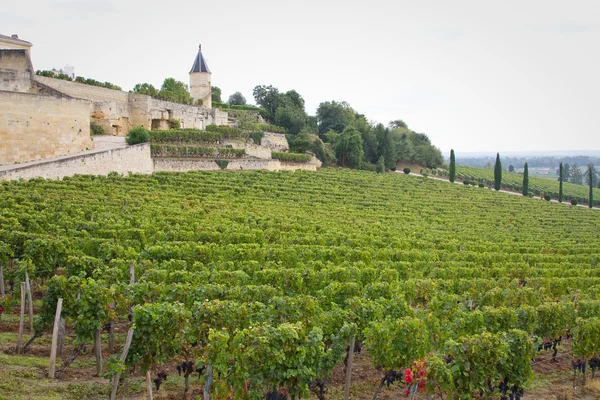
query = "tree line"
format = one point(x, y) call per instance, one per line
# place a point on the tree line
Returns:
point(340, 135)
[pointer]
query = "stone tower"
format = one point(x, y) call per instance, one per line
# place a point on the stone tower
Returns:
point(200, 88)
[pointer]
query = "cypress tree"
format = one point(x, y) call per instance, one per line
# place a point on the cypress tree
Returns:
point(591, 178)
point(452, 166)
point(560, 184)
point(526, 180)
point(497, 173)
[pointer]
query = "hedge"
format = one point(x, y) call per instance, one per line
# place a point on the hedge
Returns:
point(193, 151)
point(294, 157)
point(195, 135)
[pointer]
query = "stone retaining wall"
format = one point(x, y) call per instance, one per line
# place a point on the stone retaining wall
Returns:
point(134, 159)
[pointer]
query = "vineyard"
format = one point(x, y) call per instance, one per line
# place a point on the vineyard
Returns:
point(261, 285)
point(537, 186)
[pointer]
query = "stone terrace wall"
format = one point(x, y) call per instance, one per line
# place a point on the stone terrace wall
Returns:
point(134, 159)
point(184, 165)
point(275, 141)
point(34, 127)
point(83, 91)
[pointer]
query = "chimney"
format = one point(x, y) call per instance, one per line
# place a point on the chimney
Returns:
point(14, 36)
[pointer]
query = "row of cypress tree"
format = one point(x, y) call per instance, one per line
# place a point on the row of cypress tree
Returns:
point(498, 177)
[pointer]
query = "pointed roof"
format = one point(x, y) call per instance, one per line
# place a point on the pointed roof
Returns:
point(200, 64)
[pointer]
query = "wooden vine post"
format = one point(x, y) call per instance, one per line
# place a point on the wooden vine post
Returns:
point(54, 348)
point(209, 379)
point(98, 351)
point(61, 336)
point(149, 384)
point(117, 377)
point(22, 320)
point(349, 369)
point(29, 301)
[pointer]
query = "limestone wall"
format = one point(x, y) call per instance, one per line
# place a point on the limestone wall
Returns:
point(83, 91)
point(134, 159)
point(252, 149)
point(200, 88)
point(16, 71)
point(275, 141)
point(183, 165)
point(117, 111)
point(34, 127)
point(293, 166)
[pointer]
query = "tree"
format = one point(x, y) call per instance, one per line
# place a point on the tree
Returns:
point(452, 166)
point(560, 182)
point(215, 94)
point(576, 176)
point(566, 172)
point(268, 98)
point(333, 115)
point(145, 88)
point(497, 173)
point(237, 99)
point(525, 180)
point(380, 165)
point(369, 138)
point(397, 124)
point(175, 91)
point(349, 148)
point(291, 118)
point(590, 173)
point(511, 168)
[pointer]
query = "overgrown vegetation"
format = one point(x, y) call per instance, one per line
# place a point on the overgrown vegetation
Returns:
point(136, 135)
point(78, 79)
point(96, 129)
point(292, 157)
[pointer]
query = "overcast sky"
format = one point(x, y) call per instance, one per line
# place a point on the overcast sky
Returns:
point(474, 75)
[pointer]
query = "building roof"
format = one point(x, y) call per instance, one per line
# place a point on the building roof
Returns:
point(200, 64)
point(14, 39)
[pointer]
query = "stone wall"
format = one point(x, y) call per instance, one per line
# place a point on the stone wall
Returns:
point(34, 127)
point(117, 111)
point(83, 91)
point(16, 71)
point(293, 166)
point(252, 149)
point(275, 141)
point(134, 159)
point(242, 164)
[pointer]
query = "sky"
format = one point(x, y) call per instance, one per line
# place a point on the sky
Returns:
point(474, 75)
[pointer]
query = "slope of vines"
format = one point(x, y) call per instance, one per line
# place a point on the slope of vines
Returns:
point(265, 277)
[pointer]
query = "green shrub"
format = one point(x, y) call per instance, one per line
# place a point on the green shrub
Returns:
point(136, 135)
point(547, 197)
point(96, 129)
point(393, 169)
point(406, 170)
point(465, 182)
point(174, 123)
point(222, 163)
point(481, 185)
point(367, 166)
point(293, 157)
point(256, 137)
point(573, 202)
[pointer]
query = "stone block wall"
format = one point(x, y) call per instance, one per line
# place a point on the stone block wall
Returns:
point(83, 91)
point(16, 71)
point(34, 127)
point(275, 141)
point(134, 159)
